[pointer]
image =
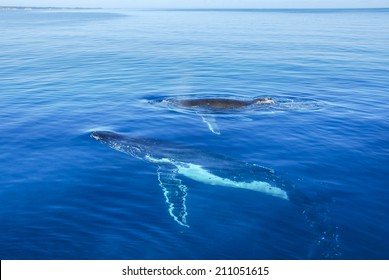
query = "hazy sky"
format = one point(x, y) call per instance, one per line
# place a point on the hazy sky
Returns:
point(202, 3)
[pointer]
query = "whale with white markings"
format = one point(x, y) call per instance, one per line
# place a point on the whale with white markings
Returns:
point(175, 163)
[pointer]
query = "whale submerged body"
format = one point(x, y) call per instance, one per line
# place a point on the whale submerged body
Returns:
point(175, 162)
point(178, 162)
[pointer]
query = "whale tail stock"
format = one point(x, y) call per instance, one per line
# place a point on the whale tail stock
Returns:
point(316, 211)
point(326, 243)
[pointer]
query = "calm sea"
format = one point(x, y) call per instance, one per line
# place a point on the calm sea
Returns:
point(64, 74)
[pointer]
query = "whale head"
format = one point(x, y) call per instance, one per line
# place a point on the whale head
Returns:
point(264, 100)
point(121, 143)
point(105, 136)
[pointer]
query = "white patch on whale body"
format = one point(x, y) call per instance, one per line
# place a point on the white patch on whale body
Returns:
point(199, 174)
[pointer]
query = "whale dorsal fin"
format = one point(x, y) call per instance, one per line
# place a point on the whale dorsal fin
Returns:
point(175, 192)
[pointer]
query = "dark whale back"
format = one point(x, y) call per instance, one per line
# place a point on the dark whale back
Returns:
point(220, 103)
point(214, 103)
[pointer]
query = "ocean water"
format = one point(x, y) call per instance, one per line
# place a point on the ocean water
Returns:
point(64, 74)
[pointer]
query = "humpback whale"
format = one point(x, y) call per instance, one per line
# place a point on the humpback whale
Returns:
point(207, 107)
point(175, 163)
point(220, 103)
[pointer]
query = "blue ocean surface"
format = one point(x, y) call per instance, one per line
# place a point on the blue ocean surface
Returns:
point(65, 74)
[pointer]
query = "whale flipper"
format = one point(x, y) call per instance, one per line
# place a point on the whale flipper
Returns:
point(211, 123)
point(175, 193)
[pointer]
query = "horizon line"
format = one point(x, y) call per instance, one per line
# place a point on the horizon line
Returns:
point(196, 8)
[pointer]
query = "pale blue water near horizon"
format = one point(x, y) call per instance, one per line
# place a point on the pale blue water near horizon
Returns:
point(64, 74)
